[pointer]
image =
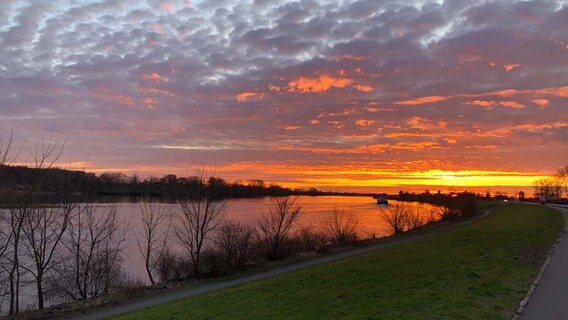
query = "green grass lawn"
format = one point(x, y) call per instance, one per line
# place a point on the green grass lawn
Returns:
point(482, 204)
point(480, 271)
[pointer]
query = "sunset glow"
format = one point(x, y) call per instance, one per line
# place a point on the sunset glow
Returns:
point(337, 95)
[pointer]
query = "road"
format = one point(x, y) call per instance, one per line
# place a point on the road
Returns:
point(550, 298)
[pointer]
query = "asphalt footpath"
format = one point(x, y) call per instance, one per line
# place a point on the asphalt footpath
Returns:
point(550, 298)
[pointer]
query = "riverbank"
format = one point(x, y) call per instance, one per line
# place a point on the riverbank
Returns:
point(480, 271)
point(171, 288)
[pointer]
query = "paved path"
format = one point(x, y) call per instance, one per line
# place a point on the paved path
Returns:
point(550, 299)
point(193, 291)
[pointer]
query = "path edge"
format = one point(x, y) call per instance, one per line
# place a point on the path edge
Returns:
point(523, 304)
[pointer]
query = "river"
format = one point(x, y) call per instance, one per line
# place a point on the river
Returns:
point(314, 211)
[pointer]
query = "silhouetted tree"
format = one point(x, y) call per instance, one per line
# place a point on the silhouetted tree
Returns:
point(197, 219)
point(90, 265)
point(340, 227)
point(275, 226)
point(152, 238)
point(562, 176)
point(46, 154)
point(235, 243)
point(548, 188)
point(43, 229)
point(395, 215)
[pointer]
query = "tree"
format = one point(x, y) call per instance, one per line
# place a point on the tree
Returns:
point(340, 227)
point(90, 265)
point(152, 238)
point(46, 154)
point(197, 219)
point(549, 187)
point(395, 215)
point(275, 226)
point(562, 176)
point(235, 241)
point(43, 229)
point(5, 230)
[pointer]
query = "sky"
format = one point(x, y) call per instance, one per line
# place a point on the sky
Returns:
point(339, 95)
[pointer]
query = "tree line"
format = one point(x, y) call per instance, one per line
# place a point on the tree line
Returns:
point(111, 186)
point(553, 188)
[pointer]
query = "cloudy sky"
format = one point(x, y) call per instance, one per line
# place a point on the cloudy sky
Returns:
point(304, 93)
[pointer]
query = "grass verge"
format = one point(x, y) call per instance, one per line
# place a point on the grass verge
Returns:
point(480, 271)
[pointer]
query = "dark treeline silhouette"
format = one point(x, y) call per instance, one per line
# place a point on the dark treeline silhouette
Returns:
point(89, 186)
point(461, 204)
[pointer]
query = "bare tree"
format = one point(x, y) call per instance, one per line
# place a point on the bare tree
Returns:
point(43, 229)
point(562, 176)
point(340, 227)
point(6, 157)
point(235, 244)
point(197, 219)
point(153, 235)
point(395, 215)
point(415, 216)
point(46, 154)
point(549, 187)
point(91, 264)
point(275, 226)
point(6, 234)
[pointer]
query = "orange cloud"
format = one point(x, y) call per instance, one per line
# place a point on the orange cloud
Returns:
point(541, 102)
point(154, 76)
point(422, 100)
point(561, 92)
point(119, 98)
point(364, 123)
point(425, 124)
point(150, 103)
point(363, 88)
point(315, 85)
point(274, 88)
point(246, 96)
point(482, 103)
point(511, 66)
point(512, 104)
point(154, 91)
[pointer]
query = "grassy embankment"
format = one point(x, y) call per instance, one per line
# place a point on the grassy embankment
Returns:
point(480, 271)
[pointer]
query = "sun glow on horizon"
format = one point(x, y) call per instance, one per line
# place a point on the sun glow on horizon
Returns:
point(332, 178)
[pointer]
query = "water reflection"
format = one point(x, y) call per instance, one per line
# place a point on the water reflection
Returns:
point(314, 212)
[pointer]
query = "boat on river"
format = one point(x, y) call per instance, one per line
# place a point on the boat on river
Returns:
point(382, 200)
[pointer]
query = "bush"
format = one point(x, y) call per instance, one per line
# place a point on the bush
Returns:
point(235, 244)
point(340, 227)
point(308, 240)
point(172, 267)
point(214, 264)
point(463, 205)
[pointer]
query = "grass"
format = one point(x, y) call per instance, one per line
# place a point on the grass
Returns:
point(482, 204)
point(480, 271)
